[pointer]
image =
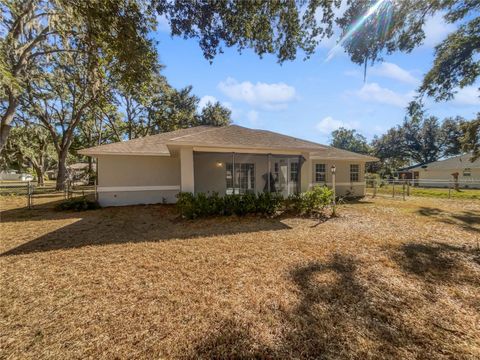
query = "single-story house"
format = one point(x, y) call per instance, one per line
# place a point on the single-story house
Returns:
point(76, 171)
point(440, 173)
point(227, 160)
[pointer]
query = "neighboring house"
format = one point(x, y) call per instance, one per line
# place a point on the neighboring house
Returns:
point(77, 171)
point(440, 173)
point(227, 160)
point(13, 175)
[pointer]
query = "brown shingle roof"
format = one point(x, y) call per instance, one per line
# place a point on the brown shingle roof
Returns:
point(231, 136)
point(148, 145)
point(238, 136)
point(334, 153)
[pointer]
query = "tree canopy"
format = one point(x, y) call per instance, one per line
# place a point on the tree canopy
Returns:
point(349, 139)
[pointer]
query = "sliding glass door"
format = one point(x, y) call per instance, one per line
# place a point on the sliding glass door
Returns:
point(285, 171)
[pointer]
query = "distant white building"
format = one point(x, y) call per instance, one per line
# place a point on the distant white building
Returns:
point(14, 175)
point(440, 173)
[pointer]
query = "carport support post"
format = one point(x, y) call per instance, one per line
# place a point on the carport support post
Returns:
point(393, 188)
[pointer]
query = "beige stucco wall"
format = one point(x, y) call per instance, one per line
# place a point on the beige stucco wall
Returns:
point(442, 178)
point(344, 187)
point(126, 180)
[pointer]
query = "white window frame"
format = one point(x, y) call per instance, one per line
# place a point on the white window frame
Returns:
point(354, 173)
point(467, 172)
point(232, 170)
point(317, 173)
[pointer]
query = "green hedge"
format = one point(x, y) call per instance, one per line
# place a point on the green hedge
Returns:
point(309, 203)
point(201, 205)
point(78, 204)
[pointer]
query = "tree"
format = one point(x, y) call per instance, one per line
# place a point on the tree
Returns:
point(389, 148)
point(350, 140)
point(61, 99)
point(451, 130)
point(32, 31)
point(30, 145)
point(399, 26)
point(471, 137)
point(215, 115)
point(268, 27)
point(178, 109)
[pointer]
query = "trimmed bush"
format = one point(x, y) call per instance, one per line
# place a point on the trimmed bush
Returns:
point(201, 205)
point(310, 202)
point(78, 204)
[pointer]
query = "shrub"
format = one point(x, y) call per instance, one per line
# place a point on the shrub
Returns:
point(78, 204)
point(310, 202)
point(193, 206)
point(268, 203)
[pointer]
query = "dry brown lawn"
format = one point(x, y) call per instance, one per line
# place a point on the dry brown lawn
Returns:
point(386, 279)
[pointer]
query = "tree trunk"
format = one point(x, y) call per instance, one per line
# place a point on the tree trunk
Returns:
point(7, 119)
point(4, 131)
point(40, 173)
point(62, 169)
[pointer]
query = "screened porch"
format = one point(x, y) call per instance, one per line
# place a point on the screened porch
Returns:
point(240, 173)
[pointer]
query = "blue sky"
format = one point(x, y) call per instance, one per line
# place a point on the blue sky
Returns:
point(309, 99)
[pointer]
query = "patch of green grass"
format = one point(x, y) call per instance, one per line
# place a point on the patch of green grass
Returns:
point(467, 194)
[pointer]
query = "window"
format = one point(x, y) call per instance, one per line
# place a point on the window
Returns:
point(467, 172)
point(294, 171)
point(320, 173)
point(240, 178)
point(354, 172)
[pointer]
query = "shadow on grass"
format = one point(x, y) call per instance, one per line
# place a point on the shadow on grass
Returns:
point(336, 316)
point(468, 220)
point(342, 313)
point(129, 224)
point(439, 262)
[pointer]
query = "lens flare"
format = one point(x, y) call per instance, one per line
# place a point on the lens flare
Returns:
point(355, 27)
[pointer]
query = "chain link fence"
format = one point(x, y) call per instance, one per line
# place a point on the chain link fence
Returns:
point(32, 191)
point(405, 188)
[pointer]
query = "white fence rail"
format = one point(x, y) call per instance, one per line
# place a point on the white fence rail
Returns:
point(435, 187)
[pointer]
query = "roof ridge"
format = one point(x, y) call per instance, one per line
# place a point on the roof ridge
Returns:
point(209, 128)
point(277, 133)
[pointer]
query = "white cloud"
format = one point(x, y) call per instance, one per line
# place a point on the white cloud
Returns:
point(273, 96)
point(386, 70)
point(375, 93)
point(467, 96)
point(393, 71)
point(252, 116)
point(329, 124)
point(205, 100)
point(436, 29)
